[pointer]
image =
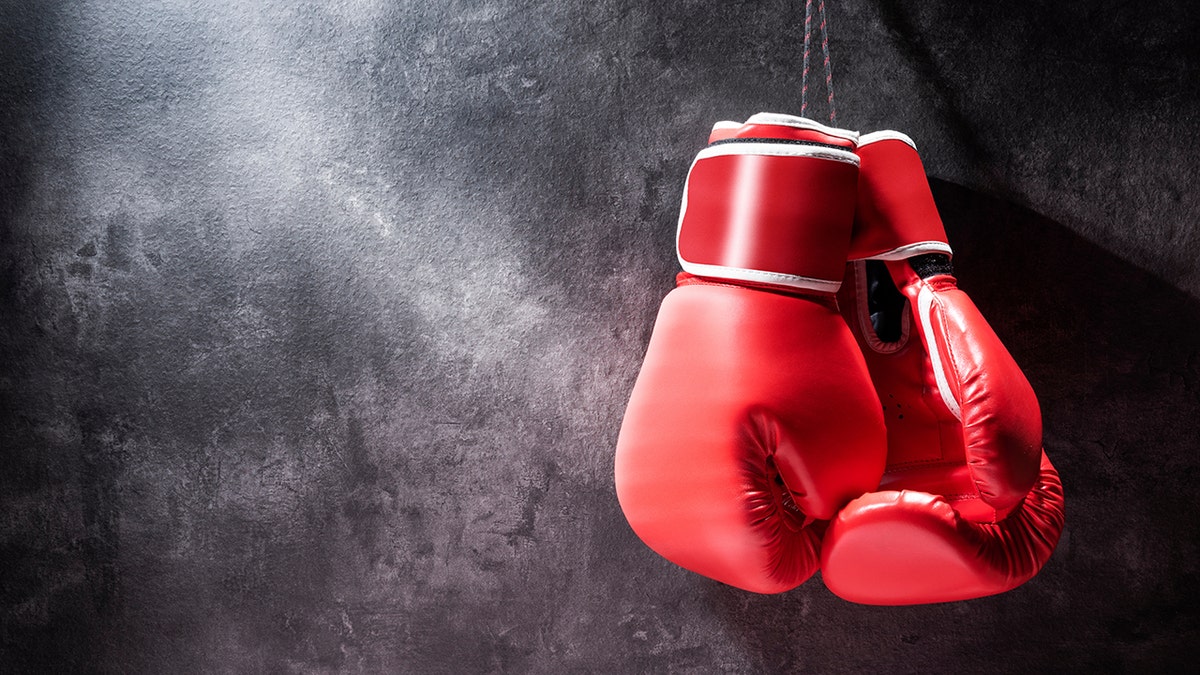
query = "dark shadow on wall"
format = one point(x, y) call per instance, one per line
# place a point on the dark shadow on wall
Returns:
point(939, 90)
point(1114, 354)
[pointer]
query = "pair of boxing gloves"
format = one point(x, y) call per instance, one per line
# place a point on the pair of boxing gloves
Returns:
point(818, 393)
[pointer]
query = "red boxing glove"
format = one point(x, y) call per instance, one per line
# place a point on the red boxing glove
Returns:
point(969, 505)
point(753, 419)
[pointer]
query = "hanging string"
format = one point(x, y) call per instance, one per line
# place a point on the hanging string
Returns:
point(828, 62)
point(828, 65)
point(804, 72)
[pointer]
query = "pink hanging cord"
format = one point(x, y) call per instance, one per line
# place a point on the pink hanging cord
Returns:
point(828, 62)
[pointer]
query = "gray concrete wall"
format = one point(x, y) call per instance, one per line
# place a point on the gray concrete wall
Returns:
point(317, 323)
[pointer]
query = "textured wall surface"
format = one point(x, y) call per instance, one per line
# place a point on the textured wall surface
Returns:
point(317, 322)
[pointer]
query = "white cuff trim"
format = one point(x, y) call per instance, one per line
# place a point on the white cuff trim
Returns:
point(778, 150)
point(780, 119)
point(887, 135)
point(760, 277)
point(909, 250)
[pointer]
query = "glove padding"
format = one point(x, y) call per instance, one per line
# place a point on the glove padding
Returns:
point(969, 505)
point(905, 547)
point(753, 419)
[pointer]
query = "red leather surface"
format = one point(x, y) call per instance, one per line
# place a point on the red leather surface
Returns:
point(966, 508)
point(925, 441)
point(969, 504)
point(895, 205)
point(786, 215)
point(753, 419)
point(902, 548)
point(740, 386)
point(1001, 423)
